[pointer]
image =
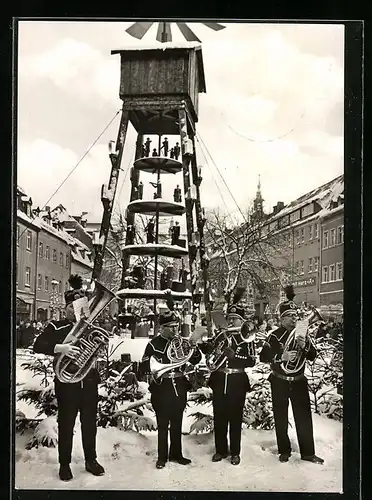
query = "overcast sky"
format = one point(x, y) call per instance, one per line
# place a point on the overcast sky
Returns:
point(274, 107)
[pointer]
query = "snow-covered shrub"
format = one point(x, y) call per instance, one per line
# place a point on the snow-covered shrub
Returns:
point(203, 423)
point(325, 378)
point(257, 412)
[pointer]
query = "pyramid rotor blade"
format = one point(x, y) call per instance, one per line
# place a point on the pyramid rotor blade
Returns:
point(215, 26)
point(164, 33)
point(188, 33)
point(139, 30)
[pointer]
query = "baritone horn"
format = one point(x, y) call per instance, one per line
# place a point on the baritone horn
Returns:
point(291, 344)
point(179, 351)
point(90, 339)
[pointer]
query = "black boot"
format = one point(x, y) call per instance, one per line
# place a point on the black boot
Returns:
point(160, 464)
point(314, 459)
point(235, 459)
point(65, 472)
point(94, 467)
point(180, 460)
point(217, 457)
point(284, 457)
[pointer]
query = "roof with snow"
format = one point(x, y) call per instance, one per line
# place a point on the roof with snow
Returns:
point(25, 218)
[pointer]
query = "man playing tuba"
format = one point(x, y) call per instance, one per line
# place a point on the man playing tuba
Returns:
point(287, 355)
point(169, 390)
point(72, 397)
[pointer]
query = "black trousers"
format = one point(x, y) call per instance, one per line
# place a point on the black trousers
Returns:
point(71, 399)
point(169, 408)
point(297, 391)
point(228, 403)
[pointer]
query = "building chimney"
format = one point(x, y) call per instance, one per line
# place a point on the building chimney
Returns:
point(279, 206)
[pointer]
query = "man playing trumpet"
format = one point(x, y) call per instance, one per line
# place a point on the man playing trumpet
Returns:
point(287, 353)
point(169, 385)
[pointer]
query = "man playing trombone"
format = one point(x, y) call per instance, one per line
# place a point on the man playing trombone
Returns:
point(165, 358)
point(287, 353)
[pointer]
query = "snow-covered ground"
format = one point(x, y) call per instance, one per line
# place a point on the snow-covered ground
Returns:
point(129, 459)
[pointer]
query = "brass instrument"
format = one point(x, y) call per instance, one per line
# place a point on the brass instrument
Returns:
point(89, 338)
point(179, 351)
point(291, 344)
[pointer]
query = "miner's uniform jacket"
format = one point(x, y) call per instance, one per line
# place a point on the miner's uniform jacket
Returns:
point(71, 397)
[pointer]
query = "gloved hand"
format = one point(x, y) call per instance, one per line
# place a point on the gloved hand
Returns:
point(67, 349)
point(229, 352)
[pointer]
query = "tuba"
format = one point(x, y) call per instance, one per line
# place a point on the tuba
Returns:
point(179, 351)
point(291, 344)
point(88, 337)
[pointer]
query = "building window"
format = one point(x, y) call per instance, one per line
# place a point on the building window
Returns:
point(67, 261)
point(340, 235)
point(60, 287)
point(311, 232)
point(310, 265)
point(339, 271)
point(46, 283)
point(18, 234)
point(61, 259)
point(316, 231)
point(296, 268)
point(294, 216)
point(47, 252)
point(28, 276)
point(54, 255)
point(297, 235)
point(332, 275)
point(332, 238)
point(28, 240)
point(302, 235)
point(39, 281)
point(324, 274)
point(302, 271)
point(316, 264)
point(41, 250)
point(325, 239)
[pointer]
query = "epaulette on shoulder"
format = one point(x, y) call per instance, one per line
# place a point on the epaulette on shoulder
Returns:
point(57, 324)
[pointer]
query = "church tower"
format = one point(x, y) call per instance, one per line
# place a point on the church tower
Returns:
point(258, 202)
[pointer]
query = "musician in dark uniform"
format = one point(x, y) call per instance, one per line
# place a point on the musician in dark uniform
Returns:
point(72, 397)
point(230, 385)
point(293, 386)
point(169, 392)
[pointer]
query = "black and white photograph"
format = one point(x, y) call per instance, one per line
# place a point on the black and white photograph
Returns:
point(179, 264)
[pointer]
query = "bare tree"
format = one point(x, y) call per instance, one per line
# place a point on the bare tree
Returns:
point(253, 251)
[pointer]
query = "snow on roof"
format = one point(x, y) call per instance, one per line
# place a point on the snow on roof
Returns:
point(159, 46)
point(322, 194)
point(82, 260)
point(59, 233)
point(21, 215)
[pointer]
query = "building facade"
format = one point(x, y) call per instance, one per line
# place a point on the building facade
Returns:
point(27, 237)
point(331, 261)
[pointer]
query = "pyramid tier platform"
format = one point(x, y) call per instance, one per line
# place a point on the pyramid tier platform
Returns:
point(134, 293)
point(149, 207)
point(155, 164)
point(153, 249)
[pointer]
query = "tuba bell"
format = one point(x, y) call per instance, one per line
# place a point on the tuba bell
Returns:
point(86, 336)
point(179, 351)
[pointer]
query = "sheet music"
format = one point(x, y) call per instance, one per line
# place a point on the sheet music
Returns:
point(301, 328)
point(81, 307)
